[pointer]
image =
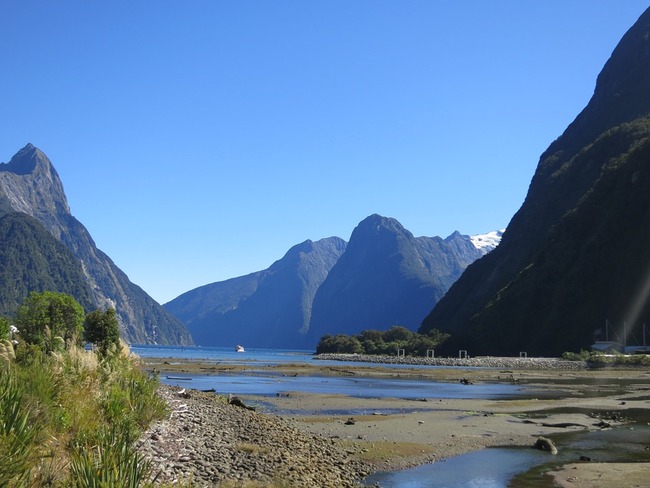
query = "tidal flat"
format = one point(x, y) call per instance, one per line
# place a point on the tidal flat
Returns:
point(395, 433)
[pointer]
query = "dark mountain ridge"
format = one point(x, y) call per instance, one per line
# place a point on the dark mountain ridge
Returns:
point(573, 255)
point(384, 276)
point(30, 185)
point(387, 277)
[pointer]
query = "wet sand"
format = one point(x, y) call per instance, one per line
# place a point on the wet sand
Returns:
point(397, 433)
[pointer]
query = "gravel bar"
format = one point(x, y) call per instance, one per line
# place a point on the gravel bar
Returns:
point(471, 362)
point(206, 441)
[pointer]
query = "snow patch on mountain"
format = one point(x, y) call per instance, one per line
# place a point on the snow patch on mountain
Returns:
point(487, 242)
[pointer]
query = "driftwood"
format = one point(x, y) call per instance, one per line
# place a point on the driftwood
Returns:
point(238, 402)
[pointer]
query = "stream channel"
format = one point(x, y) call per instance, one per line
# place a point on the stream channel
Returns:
point(511, 467)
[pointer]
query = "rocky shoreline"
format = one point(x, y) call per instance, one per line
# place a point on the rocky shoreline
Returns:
point(470, 362)
point(207, 441)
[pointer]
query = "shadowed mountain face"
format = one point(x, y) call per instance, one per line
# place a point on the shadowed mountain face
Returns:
point(30, 185)
point(576, 252)
point(387, 277)
point(383, 277)
point(270, 308)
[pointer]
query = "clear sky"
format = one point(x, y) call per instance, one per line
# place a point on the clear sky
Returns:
point(198, 141)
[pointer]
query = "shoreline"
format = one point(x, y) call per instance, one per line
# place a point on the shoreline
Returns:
point(397, 433)
point(531, 363)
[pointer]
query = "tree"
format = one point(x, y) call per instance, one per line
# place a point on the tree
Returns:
point(48, 318)
point(397, 333)
point(102, 329)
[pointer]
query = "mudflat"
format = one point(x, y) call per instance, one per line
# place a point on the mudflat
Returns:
point(394, 433)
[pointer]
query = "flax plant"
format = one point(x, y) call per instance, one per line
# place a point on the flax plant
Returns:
point(17, 436)
point(111, 463)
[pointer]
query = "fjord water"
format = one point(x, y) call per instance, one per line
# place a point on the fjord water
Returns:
point(489, 468)
point(265, 382)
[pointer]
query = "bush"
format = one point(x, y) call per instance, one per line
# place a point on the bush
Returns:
point(86, 412)
point(382, 343)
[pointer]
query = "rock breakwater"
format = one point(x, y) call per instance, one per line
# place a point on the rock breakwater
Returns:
point(206, 441)
point(470, 362)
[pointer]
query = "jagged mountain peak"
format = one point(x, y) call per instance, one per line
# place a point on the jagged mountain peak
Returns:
point(487, 242)
point(28, 160)
point(30, 185)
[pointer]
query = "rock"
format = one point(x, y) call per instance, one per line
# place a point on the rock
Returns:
point(238, 402)
point(228, 445)
point(545, 444)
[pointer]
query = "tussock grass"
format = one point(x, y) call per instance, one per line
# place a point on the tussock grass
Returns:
point(69, 418)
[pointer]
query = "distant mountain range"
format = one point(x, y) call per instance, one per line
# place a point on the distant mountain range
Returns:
point(576, 254)
point(43, 247)
point(383, 277)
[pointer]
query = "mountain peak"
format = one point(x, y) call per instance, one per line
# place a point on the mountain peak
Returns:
point(488, 241)
point(26, 161)
point(377, 225)
point(621, 94)
point(30, 184)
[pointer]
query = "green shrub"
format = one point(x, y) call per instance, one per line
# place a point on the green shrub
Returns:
point(382, 343)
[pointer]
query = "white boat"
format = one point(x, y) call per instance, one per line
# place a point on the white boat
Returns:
point(240, 348)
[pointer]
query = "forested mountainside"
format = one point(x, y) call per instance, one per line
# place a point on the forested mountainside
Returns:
point(30, 186)
point(576, 253)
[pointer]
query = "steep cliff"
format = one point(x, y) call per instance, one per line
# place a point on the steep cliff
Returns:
point(29, 184)
point(270, 308)
point(387, 277)
point(575, 254)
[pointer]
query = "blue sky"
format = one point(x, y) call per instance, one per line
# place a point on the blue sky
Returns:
point(198, 141)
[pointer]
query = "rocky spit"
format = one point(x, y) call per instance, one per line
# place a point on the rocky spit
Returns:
point(469, 362)
point(207, 441)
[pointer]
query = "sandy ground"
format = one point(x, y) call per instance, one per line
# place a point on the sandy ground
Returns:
point(398, 433)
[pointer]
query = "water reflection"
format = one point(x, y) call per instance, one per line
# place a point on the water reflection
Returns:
point(489, 468)
point(498, 467)
point(269, 384)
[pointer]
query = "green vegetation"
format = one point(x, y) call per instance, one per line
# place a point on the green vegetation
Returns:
point(102, 329)
point(34, 260)
point(5, 325)
point(382, 342)
point(49, 320)
point(70, 416)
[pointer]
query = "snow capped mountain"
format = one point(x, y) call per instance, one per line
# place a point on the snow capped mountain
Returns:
point(487, 242)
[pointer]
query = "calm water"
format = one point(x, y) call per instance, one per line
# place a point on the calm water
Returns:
point(266, 383)
point(489, 468)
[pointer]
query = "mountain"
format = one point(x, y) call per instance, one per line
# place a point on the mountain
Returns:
point(387, 277)
point(575, 255)
point(30, 186)
point(270, 308)
point(33, 260)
